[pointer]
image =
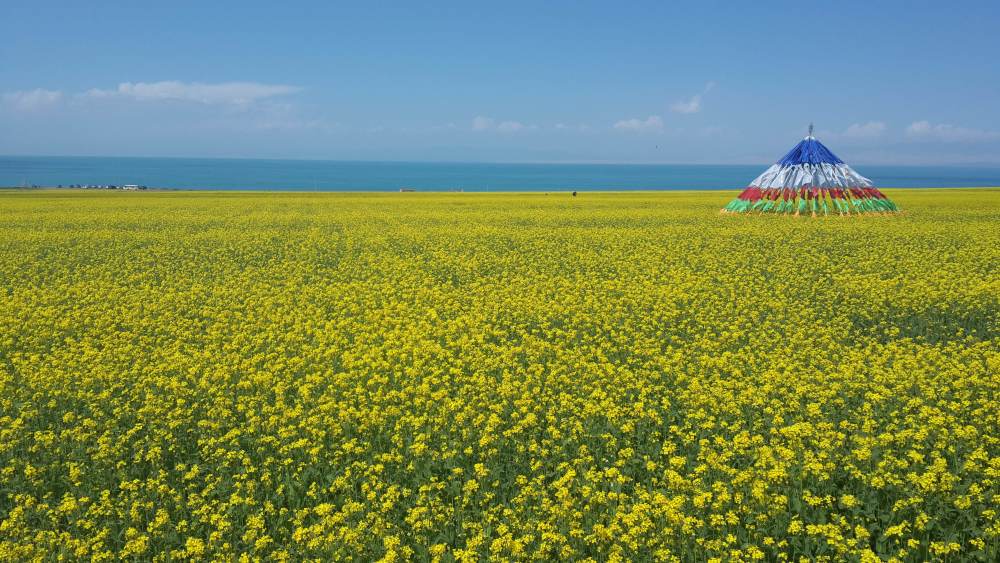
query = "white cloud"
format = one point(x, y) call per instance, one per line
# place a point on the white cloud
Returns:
point(693, 104)
point(865, 130)
point(926, 131)
point(450, 126)
point(31, 100)
point(919, 128)
point(690, 106)
point(229, 93)
point(481, 123)
point(510, 126)
point(652, 123)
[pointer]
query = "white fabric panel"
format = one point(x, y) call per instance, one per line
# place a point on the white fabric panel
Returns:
point(812, 175)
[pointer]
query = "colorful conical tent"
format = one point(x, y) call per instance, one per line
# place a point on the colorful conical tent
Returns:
point(811, 179)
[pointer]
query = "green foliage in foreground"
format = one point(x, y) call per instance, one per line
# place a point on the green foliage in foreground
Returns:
point(525, 376)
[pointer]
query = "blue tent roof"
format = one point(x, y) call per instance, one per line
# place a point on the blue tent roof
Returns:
point(809, 151)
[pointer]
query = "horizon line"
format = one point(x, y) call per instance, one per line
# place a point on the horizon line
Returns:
point(505, 162)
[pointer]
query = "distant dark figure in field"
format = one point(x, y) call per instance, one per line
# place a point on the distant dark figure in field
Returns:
point(574, 194)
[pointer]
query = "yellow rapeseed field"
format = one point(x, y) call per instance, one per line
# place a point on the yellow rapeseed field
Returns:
point(611, 377)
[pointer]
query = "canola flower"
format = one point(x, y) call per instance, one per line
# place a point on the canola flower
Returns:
point(612, 377)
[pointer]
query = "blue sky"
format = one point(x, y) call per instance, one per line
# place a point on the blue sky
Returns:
point(885, 82)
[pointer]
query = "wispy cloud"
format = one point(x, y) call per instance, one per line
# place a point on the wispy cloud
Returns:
point(225, 93)
point(653, 123)
point(692, 104)
point(944, 132)
point(274, 116)
point(32, 100)
point(510, 126)
point(224, 106)
point(450, 126)
point(868, 130)
point(564, 127)
point(483, 123)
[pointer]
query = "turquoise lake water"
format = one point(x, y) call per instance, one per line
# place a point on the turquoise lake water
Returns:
point(324, 175)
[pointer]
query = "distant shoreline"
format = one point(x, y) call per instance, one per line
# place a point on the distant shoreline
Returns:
point(273, 175)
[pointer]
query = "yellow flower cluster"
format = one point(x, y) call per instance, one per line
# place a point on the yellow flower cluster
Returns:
point(611, 377)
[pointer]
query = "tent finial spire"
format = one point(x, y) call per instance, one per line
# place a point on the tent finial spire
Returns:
point(810, 129)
